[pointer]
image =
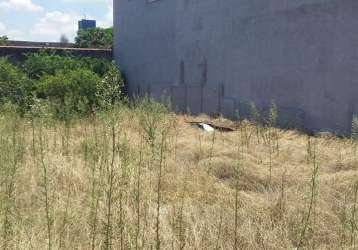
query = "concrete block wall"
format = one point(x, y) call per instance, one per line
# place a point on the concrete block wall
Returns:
point(217, 56)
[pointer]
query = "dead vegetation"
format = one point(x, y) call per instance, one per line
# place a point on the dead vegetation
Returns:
point(142, 178)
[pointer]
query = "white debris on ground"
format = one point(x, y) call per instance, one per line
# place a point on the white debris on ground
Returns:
point(203, 126)
point(207, 127)
point(210, 127)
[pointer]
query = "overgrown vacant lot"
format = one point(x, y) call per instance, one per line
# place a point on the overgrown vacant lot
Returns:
point(142, 178)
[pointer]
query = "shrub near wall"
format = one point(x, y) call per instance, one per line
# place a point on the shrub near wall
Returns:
point(37, 65)
point(74, 91)
point(68, 85)
point(15, 86)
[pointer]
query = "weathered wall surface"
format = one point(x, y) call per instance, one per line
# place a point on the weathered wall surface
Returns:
point(145, 42)
point(39, 44)
point(216, 56)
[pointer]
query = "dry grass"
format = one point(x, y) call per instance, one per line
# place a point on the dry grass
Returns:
point(109, 183)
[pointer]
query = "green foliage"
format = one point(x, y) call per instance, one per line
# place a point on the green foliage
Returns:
point(37, 65)
point(254, 114)
point(71, 91)
point(112, 86)
point(95, 38)
point(3, 40)
point(152, 115)
point(273, 115)
point(354, 129)
point(15, 86)
point(65, 85)
point(98, 66)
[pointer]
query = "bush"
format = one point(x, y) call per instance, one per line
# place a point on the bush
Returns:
point(15, 86)
point(68, 84)
point(40, 64)
point(112, 86)
point(98, 66)
point(71, 91)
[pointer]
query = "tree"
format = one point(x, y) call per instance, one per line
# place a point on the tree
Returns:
point(64, 39)
point(15, 86)
point(74, 91)
point(95, 38)
point(112, 85)
point(3, 40)
point(43, 63)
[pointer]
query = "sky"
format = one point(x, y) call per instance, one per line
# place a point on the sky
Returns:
point(47, 20)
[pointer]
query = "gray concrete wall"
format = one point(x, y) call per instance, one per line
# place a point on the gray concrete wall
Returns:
point(217, 56)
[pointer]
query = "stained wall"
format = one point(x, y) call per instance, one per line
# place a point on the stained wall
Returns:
point(217, 56)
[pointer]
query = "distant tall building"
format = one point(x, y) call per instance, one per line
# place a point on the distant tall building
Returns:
point(86, 24)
